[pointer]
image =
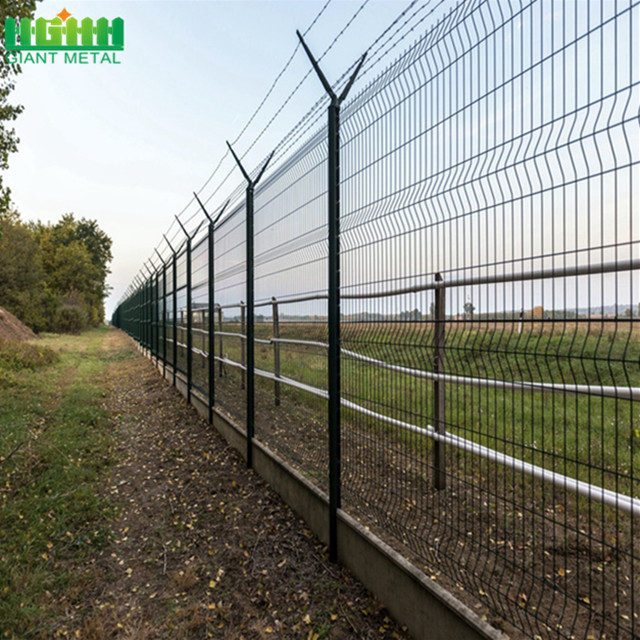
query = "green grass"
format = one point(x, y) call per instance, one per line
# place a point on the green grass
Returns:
point(54, 446)
point(592, 438)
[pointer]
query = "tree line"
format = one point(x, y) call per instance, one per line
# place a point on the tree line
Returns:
point(53, 276)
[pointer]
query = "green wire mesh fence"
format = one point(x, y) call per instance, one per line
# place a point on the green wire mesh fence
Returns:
point(486, 420)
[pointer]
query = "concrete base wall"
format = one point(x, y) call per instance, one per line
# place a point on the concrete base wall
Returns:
point(429, 611)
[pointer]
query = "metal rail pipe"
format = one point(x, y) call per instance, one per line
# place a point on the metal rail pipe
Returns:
point(591, 491)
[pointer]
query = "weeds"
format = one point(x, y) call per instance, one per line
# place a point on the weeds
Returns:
point(15, 356)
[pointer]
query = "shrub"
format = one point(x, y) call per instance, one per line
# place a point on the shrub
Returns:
point(70, 319)
point(25, 355)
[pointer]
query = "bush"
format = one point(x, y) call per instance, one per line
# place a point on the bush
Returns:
point(25, 355)
point(70, 319)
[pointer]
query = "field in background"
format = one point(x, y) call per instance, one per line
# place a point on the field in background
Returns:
point(600, 442)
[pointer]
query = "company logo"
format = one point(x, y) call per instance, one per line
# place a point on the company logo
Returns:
point(39, 40)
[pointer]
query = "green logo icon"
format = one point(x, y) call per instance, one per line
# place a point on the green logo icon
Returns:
point(64, 33)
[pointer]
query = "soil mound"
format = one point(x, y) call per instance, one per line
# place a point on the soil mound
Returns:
point(12, 329)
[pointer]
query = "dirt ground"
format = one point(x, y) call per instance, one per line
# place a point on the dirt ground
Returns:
point(202, 547)
point(12, 329)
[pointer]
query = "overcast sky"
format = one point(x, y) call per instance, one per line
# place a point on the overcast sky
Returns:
point(127, 144)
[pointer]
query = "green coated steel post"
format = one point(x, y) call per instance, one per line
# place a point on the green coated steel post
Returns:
point(333, 312)
point(156, 313)
point(211, 328)
point(153, 306)
point(174, 311)
point(189, 325)
point(250, 368)
point(164, 314)
point(334, 326)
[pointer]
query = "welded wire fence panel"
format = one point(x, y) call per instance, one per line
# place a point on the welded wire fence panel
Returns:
point(490, 310)
point(160, 315)
point(505, 141)
point(230, 292)
point(181, 311)
point(199, 315)
point(290, 290)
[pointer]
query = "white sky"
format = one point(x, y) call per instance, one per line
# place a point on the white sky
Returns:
point(127, 144)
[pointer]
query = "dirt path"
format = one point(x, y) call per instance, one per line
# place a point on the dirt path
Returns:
point(202, 547)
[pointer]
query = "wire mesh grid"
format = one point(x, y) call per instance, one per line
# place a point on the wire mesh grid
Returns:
point(490, 296)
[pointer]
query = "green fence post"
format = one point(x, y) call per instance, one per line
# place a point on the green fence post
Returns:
point(250, 304)
point(334, 293)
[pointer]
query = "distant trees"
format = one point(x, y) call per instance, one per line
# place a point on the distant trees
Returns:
point(53, 276)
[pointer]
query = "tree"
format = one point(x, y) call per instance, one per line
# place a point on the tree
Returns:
point(8, 112)
point(22, 288)
point(75, 257)
point(53, 277)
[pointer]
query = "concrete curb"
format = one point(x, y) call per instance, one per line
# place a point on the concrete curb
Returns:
point(427, 609)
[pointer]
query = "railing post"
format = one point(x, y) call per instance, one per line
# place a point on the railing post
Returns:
point(204, 340)
point(211, 327)
point(243, 327)
point(276, 350)
point(220, 345)
point(250, 304)
point(334, 294)
point(439, 451)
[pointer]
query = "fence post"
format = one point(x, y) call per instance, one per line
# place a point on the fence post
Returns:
point(439, 451)
point(140, 308)
point(143, 302)
point(276, 350)
point(156, 315)
point(243, 327)
point(211, 328)
point(152, 309)
point(140, 337)
point(211, 303)
point(189, 310)
point(174, 310)
point(250, 304)
point(147, 306)
point(164, 314)
point(334, 293)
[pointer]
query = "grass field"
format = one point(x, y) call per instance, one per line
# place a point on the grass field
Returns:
point(54, 443)
point(587, 436)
